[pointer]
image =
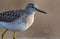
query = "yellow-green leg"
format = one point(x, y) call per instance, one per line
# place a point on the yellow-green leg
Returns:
point(14, 35)
point(4, 34)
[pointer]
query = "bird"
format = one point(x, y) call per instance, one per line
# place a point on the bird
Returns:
point(18, 20)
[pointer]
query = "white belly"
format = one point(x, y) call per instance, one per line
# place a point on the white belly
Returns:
point(13, 27)
point(18, 25)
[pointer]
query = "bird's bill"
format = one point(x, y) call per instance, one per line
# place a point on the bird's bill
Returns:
point(40, 11)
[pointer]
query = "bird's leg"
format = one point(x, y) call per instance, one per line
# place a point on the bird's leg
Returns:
point(4, 33)
point(14, 35)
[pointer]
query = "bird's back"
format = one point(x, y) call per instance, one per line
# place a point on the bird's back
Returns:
point(12, 15)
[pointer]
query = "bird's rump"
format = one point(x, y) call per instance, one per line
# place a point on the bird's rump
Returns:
point(9, 16)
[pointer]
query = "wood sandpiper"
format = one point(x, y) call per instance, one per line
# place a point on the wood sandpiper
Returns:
point(18, 20)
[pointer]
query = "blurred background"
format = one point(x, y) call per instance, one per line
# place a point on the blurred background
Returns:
point(45, 26)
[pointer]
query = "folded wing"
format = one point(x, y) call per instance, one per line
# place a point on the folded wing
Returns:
point(9, 16)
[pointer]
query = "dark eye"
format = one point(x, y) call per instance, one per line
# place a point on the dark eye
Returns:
point(32, 6)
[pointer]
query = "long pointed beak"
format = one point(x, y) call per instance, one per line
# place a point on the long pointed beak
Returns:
point(40, 11)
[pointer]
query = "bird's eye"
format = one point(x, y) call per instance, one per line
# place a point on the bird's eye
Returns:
point(32, 6)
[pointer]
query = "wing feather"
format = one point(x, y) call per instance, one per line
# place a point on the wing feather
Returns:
point(9, 16)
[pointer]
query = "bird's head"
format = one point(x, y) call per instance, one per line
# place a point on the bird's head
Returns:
point(33, 8)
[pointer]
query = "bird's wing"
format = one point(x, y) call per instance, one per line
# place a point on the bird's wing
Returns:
point(9, 16)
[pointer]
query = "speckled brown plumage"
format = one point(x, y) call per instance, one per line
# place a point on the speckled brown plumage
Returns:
point(9, 16)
